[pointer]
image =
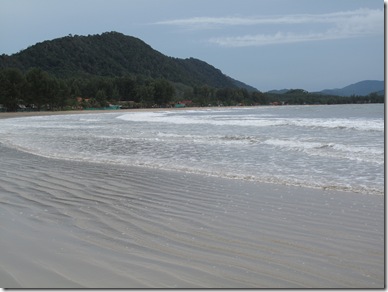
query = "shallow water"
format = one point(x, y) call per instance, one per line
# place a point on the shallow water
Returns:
point(331, 147)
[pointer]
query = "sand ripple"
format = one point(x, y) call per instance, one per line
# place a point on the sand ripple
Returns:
point(68, 224)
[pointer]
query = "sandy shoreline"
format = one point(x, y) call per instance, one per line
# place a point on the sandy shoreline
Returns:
point(5, 115)
point(67, 224)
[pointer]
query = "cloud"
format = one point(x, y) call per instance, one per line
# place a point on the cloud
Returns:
point(211, 22)
point(343, 24)
point(271, 39)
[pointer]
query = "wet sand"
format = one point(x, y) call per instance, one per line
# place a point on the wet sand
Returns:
point(68, 224)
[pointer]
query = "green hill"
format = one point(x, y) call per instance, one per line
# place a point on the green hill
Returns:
point(115, 54)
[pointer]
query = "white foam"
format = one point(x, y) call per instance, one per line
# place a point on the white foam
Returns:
point(359, 153)
point(355, 124)
point(254, 120)
point(294, 144)
point(263, 147)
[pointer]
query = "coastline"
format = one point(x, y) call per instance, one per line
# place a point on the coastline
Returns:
point(5, 115)
point(68, 224)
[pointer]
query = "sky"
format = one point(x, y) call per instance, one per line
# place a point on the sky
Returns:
point(268, 44)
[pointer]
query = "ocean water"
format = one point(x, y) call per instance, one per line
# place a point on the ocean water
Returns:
point(331, 147)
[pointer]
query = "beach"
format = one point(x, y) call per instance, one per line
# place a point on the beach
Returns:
point(79, 224)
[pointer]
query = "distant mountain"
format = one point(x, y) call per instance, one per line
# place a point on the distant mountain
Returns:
point(115, 54)
point(361, 88)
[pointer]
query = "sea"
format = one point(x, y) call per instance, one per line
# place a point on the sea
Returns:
point(338, 147)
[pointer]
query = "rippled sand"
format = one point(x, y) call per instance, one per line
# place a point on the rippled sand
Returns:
point(70, 224)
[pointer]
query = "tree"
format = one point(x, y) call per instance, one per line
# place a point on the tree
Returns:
point(74, 86)
point(126, 87)
point(40, 87)
point(145, 94)
point(101, 98)
point(163, 91)
point(259, 97)
point(115, 94)
point(12, 85)
point(203, 95)
point(62, 95)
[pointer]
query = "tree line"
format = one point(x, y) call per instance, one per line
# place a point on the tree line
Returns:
point(39, 90)
point(207, 96)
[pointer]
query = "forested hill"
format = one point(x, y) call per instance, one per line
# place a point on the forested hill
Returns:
point(115, 54)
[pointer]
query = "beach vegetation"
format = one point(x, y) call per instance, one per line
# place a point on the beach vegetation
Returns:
point(39, 90)
point(12, 88)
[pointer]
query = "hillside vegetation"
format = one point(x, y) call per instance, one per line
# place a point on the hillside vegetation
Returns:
point(76, 72)
point(114, 54)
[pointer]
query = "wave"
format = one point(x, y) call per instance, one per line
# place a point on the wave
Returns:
point(259, 178)
point(354, 124)
point(358, 153)
point(254, 121)
point(325, 149)
point(284, 149)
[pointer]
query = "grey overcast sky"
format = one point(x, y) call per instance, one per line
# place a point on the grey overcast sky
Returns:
point(269, 44)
